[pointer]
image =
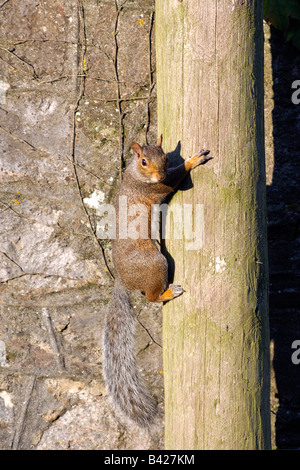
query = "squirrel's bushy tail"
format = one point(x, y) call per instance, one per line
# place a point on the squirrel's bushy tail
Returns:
point(123, 381)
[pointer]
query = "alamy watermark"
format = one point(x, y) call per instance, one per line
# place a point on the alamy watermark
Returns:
point(296, 354)
point(4, 86)
point(296, 94)
point(184, 222)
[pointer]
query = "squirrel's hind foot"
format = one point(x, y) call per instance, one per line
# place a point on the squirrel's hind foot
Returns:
point(174, 290)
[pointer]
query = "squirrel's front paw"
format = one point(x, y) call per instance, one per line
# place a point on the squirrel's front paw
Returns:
point(197, 159)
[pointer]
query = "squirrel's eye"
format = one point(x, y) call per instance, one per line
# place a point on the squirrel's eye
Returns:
point(144, 163)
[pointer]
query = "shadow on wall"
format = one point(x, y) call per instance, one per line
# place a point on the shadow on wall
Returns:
point(283, 203)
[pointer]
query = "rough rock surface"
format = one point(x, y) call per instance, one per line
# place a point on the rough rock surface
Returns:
point(77, 85)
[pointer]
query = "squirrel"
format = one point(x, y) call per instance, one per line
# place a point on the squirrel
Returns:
point(139, 265)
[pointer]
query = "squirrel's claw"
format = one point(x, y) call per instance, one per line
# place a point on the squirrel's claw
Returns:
point(205, 154)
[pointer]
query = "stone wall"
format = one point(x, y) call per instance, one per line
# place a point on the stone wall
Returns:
point(77, 85)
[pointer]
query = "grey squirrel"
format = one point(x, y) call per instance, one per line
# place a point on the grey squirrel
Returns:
point(139, 265)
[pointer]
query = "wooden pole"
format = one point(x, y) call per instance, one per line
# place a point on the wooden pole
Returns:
point(215, 336)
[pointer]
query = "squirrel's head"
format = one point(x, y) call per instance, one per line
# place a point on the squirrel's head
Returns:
point(151, 161)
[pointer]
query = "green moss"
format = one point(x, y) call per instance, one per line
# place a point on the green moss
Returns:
point(230, 193)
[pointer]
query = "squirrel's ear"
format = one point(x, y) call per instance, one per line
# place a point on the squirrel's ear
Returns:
point(138, 151)
point(159, 140)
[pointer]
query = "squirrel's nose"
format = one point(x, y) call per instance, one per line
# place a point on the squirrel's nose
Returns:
point(159, 177)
